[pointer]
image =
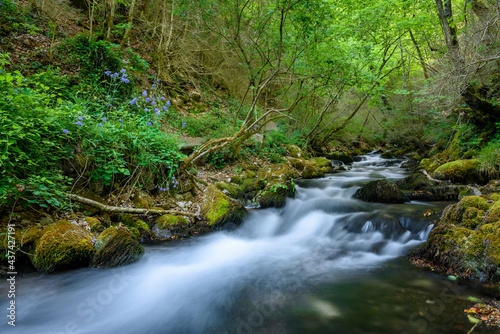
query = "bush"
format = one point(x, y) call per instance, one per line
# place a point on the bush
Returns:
point(489, 159)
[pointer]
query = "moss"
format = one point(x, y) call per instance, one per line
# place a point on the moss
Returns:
point(475, 202)
point(171, 221)
point(141, 225)
point(493, 214)
point(495, 197)
point(381, 191)
point(230, 190)
point(312, 171)
point(388, 155)
point(300, 164)
point(415, 181)
point(134, 232)
point(219, 209)
point(236, 179)
point(460, 171)
point(63, 246)
point(277, 172)
point(248, 174)
point(472, 217)
point(296, 152)
point(423, 163)
point(142, 200)
point(322, 162)
point(416, 157)
point(341, 156)
point(116, 247)
point(275, 195)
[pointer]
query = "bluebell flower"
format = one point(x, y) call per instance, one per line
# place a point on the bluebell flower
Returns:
point(124, 75)
point(133, 101)
point(108, 73)
point(79, 123)
point(153, 103)
point(150, 124)
point(120, 120)
point(157, 111)
point(148, 99)
point(145, 93)
point(168, 103)
point(104, 119)
point(123, 70)
point(156, 186)
point(81, 118)
point(100, 124)
point(183, 125)
point(145, 109)
point(65, 131)
point(164, 108)
point(163, 98)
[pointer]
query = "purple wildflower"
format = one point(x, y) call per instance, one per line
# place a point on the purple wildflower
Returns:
point(150, 124)
point(183, 124)
point(145, 93)
point(164, 108)
point(65, 131)
point(104, 119)
point(79, 123)
point(81, 118)
point(120, 120)
point(100, 124)
point(168, 103)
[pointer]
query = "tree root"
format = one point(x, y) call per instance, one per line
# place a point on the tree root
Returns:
point(108, 208)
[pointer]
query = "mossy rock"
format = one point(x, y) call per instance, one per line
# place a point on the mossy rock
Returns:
point(495, 197)
point(469, 191)
point(95, 224)
point(416, 181)
point(454, 214)
point(236, 179)
point(460, 171)
point(63, 246)
point(468, 253)
point(493, 214)
point(312, 170)
point(296, 152)
point(142, 200)
point(231, 190)
point(388, 155)
point(275, 195)
point(115, 247)
point(134, 232)
point(218, 209)
point(298, 163)
point(341, 156)
point(472, 217)
point(380, 191)
point(169, 225)
point(248, 174)
point(324, 164)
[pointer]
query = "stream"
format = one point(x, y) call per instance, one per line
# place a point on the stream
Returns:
point(325, 263)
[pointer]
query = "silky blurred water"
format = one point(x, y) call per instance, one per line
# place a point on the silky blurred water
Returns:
point(324, 263)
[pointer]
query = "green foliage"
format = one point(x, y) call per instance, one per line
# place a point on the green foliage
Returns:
point(489, 159)
point(94, 58)
point(41, 130)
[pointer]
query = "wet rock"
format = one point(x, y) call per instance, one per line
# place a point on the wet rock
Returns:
point(445, 193)
point(95, 224)
point(469, 191)
point(219, 209)
point(116, 246)
point(341, 156)
point(63, 246)
point(416, 181)
point(380, 191)
point(323, 163)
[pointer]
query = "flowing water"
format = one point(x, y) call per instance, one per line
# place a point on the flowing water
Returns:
point(325, 263)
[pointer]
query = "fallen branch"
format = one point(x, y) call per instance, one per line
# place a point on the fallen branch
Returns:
point(109, 208)
point(430, 177)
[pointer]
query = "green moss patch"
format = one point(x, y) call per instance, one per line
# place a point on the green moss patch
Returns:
point(219, 209)
point(460, 171)
point(63, 246)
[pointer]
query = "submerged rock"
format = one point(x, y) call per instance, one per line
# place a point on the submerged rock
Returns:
point(63, 246)
point(380, 191)
point(219, 209)
point(116, 246)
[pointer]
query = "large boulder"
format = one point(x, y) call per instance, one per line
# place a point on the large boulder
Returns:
point(63, 246)
point(381, 191)
point(459, 171)
point(309, 168)
point(341, 156)
point(277, 172)
point(445, 192)
point(466, 240)
point(232, 190)
point(116, 247)
point(219, 209)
